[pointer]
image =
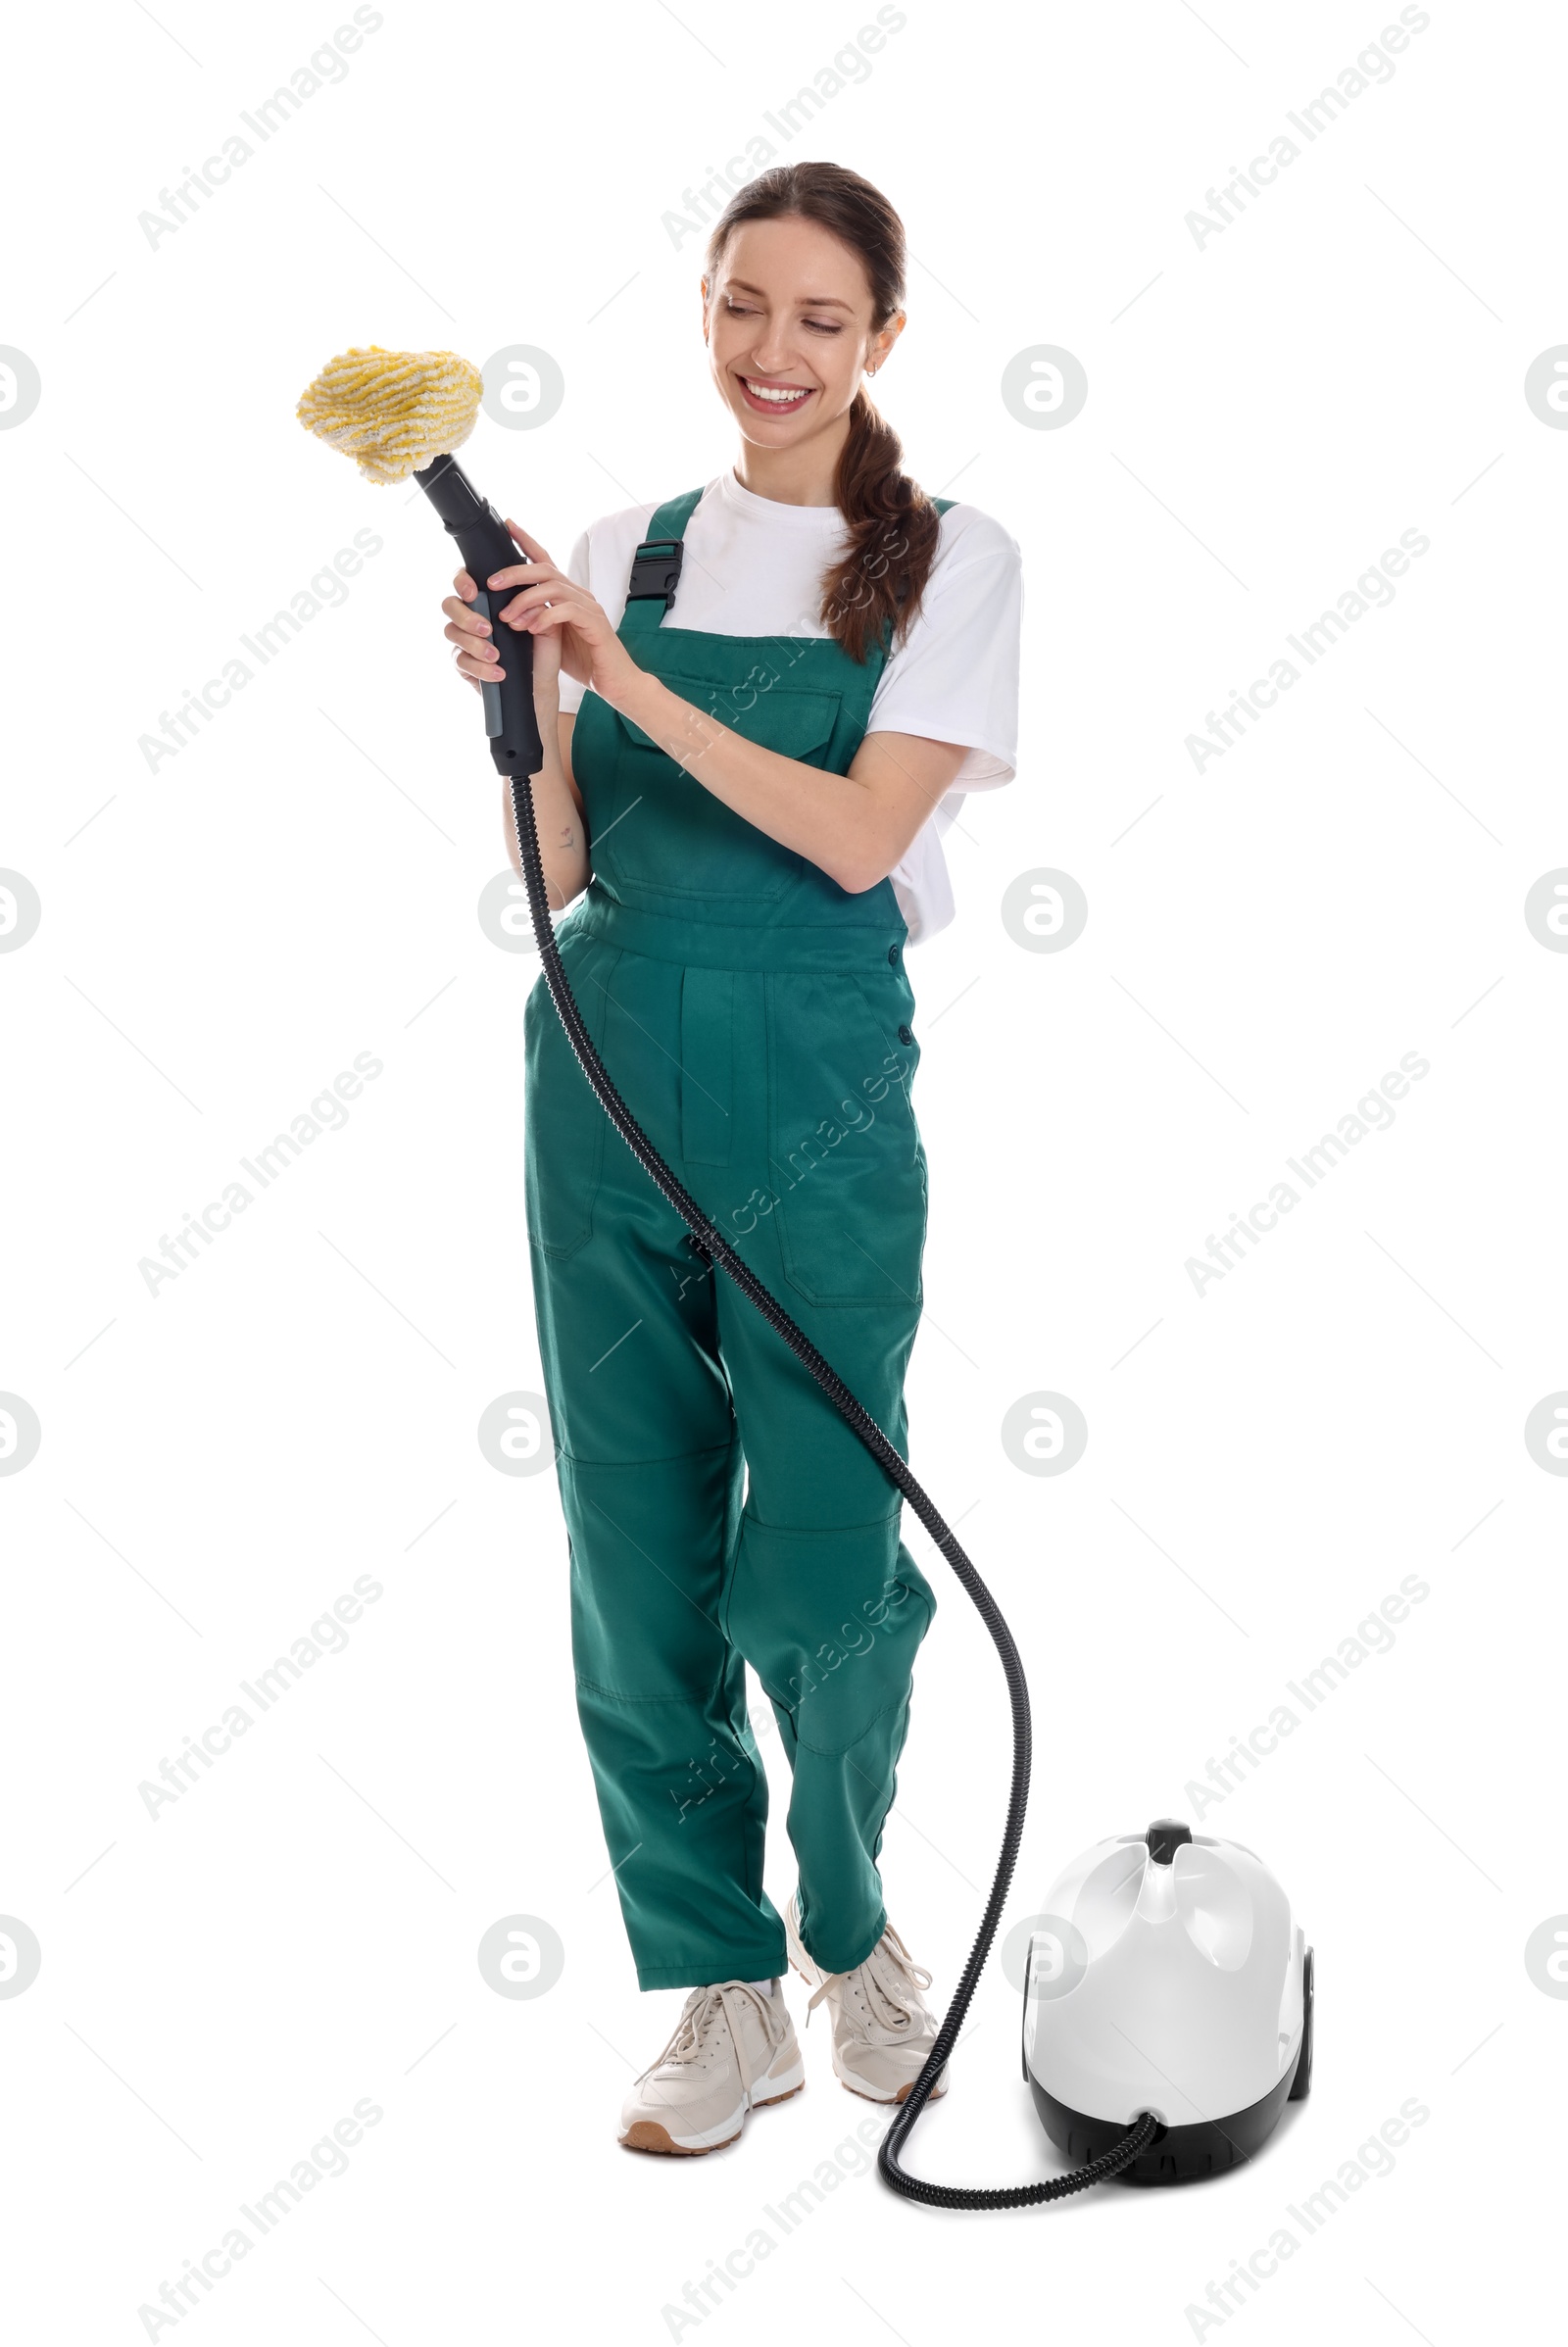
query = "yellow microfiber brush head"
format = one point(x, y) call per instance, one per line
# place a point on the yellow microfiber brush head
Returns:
point(393, 412)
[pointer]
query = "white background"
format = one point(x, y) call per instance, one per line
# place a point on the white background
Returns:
point(1265, 1463)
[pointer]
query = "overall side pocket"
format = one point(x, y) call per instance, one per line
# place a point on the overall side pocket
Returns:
point(563, 1134)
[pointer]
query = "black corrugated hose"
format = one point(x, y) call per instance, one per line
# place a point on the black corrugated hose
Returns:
point(710, 1243)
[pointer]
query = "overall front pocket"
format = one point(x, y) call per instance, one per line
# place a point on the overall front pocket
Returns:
point(847, 1168)
point(564, 1136)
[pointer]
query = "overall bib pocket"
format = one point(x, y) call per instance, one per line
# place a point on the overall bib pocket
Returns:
point(666, 832)
point(847, 1168)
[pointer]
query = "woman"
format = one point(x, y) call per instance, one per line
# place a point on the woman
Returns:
point(757, 701)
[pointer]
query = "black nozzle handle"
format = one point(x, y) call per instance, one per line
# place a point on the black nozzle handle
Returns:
point(485, 544)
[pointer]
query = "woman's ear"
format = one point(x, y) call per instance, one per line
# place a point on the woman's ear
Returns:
point(703, 283)
point(882, 343)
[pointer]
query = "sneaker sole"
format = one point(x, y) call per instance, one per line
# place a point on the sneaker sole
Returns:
point(648, 2134)
point(903, 2095)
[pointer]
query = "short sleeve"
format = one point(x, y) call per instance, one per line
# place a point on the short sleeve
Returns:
point(955, 676)
point(578, 568)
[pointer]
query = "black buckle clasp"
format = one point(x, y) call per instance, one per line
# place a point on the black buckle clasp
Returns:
point(655, 572)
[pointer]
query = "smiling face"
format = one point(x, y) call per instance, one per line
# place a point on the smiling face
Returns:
point(788, 324)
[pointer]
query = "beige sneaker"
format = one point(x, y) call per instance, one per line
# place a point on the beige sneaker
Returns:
point(733, 2050)
point(882, 2032)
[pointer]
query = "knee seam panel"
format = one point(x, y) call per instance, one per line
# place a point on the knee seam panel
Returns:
point(663, 1458)
point(614, 1694)
point(815, 1532)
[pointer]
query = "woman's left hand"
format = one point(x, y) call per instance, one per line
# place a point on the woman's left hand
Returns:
point(550, 602)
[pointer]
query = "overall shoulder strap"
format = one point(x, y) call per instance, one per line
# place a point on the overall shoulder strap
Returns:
point(656, 565)
point(944, 504)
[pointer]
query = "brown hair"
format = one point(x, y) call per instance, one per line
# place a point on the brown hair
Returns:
point(892, 524)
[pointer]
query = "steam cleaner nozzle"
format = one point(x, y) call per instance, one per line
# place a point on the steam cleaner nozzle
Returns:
point(403, 413)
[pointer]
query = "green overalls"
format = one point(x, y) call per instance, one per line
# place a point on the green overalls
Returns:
point(756, 1019)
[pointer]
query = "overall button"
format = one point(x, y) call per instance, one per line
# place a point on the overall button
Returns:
point(893, 955)
point(906, 1035)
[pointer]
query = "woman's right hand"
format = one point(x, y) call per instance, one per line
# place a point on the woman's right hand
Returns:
point(483, 662)
point(477, 656)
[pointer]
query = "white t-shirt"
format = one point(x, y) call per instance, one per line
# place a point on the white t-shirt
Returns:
point(755, 567)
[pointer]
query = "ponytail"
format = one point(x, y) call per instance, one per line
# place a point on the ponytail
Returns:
point(892, 529)
point(891, 525)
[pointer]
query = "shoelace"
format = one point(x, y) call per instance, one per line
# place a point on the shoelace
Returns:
point(705, 2007)
point(890, 1982)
